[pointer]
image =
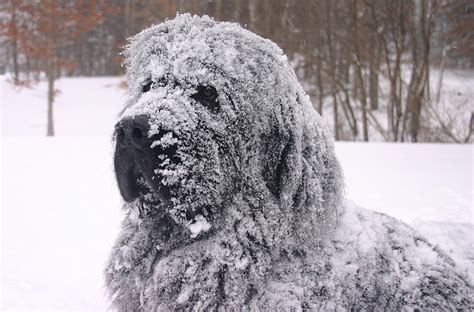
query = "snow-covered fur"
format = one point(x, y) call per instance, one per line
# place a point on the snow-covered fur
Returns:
point(255, 219)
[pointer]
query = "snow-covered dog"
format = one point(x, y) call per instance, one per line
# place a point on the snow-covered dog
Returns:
point(233, 193)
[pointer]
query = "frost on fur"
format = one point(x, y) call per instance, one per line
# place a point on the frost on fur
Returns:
point(255, 217)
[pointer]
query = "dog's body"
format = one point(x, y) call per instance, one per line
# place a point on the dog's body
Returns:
point(234, 195)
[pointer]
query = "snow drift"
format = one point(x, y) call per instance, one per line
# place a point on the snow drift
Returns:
point(235, 200)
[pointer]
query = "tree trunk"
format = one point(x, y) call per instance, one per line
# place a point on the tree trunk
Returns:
point(349, 112)
point(363, 102)
point(336, 116)
point(359, 80)
point(419, 76)
point(332, 67)
point(51, 74)
point(374, 58)
point(128, 15)
point(253, 9)
point(320, 85)
point(14, 30)
point(16, 71)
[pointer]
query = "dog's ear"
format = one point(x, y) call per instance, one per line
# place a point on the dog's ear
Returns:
point(277, 147)
point(302, 172)
point(282, 148)
point(318, 205)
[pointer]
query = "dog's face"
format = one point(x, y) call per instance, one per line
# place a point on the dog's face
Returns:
point(213, 110)
point(172, 138)
point(169, 148)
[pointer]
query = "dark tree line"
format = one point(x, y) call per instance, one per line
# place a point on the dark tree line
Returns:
point(365, 63)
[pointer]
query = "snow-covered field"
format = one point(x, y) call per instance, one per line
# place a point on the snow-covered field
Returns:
point(60, 208)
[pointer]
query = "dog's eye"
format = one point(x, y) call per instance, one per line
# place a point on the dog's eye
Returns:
point(207, 96)
point(147, 86)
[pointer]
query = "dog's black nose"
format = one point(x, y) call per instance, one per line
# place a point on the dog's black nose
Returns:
point(133, 130)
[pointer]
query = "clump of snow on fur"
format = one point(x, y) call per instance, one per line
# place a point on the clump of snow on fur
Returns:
point(455, 239)
point(200, 225)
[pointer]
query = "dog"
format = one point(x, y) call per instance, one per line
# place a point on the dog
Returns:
point(234, 197)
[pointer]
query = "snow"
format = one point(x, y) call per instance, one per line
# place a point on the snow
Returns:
point(60, 216)
point(60, 207)
point(456, 239)
point(88, 110)
point(200, 225)
point(430, 182)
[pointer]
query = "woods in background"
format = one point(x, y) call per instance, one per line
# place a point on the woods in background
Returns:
point(365, 63)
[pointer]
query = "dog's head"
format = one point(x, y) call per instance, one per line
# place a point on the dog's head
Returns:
point(215, 115)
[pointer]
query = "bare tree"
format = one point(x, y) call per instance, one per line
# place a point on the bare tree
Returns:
point(53, 26)
point(420, 71)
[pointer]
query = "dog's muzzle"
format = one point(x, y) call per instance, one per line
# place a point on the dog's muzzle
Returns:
point(136, 161)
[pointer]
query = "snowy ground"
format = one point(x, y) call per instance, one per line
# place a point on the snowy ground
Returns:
point(84, 107)
point(60, 209)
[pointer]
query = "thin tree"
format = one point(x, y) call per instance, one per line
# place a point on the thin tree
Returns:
point(52, 27)
point(422, 13)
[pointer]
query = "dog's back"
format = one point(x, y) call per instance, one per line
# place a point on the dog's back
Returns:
point(375, 262)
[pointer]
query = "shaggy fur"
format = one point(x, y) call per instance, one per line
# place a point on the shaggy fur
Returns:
point(253, 216)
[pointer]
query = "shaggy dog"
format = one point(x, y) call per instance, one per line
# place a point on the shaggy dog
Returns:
point(233, 194)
